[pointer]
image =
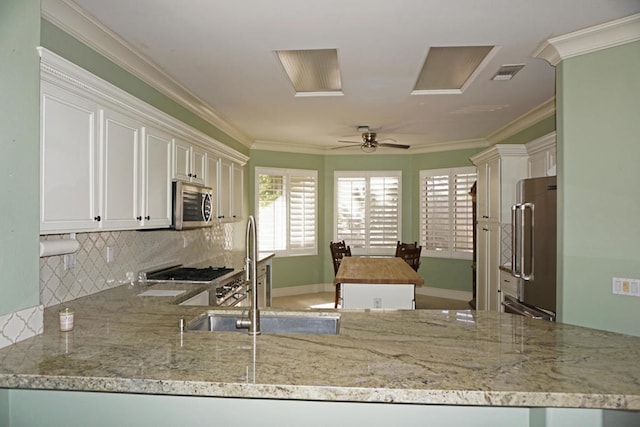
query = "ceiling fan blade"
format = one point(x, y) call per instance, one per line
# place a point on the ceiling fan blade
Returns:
point(351, 142)
point(343, 146)
point(385, 144)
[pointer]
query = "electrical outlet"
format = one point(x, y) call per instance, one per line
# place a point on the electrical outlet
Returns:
point(377, 303)
point(625, 286)
point(109, 254)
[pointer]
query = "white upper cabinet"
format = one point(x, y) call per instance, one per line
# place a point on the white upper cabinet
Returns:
point(542, 156)
point(499, 170)
point(230, 191)
point(189, 162)
point(120, 141)
point(69, 180)
point(156, 178)
point(107, 159)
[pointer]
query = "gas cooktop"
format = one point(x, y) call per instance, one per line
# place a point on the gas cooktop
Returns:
point(189, 274)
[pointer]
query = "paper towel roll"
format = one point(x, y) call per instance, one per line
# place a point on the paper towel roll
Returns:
point(58, 247)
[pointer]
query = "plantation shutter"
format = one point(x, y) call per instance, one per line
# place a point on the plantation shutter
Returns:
point(302, 211)
point(446, 212)
point(367, 210)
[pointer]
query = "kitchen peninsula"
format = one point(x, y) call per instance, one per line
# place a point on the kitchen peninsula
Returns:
point(419, 359)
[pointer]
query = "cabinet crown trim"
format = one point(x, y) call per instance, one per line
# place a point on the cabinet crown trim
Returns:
point(500, 150)
point(61, 72)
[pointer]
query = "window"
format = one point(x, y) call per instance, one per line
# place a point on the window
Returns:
point(367, 210)
point(287, 201)
point(446, 212)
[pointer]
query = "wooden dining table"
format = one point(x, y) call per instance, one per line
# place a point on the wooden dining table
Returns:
point(377, 282)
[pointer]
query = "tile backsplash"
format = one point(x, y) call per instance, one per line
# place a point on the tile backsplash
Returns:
point(133, 251)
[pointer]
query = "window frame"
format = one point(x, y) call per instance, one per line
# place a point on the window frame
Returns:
point(367, 175)
point(451, 173)
point(288, 173)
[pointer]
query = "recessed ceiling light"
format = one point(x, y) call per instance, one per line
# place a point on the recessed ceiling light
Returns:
point(313, 72)
point(450, 69)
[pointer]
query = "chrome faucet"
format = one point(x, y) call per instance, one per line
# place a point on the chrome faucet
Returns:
point(251, 269)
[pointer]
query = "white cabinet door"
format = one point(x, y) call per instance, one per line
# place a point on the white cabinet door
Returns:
point(211, 173)
point(181, 160)
point(237, 191)
point(230, 191)
point(156, 179)
point(487, 268)
point(189, 162)
point(198, 165)
point(68, 161)
point(120, 140)
point(224, 190)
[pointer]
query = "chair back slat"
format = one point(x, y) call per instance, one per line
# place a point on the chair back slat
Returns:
point(338, 251)
point(410, 252)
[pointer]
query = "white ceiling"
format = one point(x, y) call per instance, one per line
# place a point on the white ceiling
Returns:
point(223, 52)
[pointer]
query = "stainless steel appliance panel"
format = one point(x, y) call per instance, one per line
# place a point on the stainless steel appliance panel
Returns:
point(534, 241)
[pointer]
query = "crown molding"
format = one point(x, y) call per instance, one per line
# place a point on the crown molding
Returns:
point(499, 150)
point(82, 26)
point(593, 39)
point(62, 73)
point(539, 113)
point(330, 151)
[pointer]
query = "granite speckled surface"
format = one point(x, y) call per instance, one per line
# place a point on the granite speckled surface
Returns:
point(125, 343)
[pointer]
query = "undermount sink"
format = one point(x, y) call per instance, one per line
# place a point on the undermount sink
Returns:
point(271, 323)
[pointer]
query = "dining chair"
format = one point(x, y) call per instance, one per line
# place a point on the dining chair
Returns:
point(339, 250)
point(410, 252)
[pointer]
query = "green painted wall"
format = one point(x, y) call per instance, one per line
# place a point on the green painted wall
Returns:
point(299, 270)
point(19, 153)
point(56, 40)
point(599, 186)
point(542, 128)
point(438, 272)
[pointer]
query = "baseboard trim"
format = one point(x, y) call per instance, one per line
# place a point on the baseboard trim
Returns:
point(329, 287)
point(444, 293)
point(302, 289)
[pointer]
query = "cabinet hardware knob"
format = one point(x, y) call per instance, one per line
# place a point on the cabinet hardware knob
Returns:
point(221, 216)
point(147, 217)
point(97, 218)
point(189, 175)
point(195, 175)
point(139, 218)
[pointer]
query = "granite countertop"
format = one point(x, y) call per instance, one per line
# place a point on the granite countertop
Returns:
point(126, 343)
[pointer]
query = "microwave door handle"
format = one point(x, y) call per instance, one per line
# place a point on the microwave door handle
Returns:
point(529, 229)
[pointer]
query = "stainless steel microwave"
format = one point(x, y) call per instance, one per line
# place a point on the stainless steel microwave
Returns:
point(192, 206)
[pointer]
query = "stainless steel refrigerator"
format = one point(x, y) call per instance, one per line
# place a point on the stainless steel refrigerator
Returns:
point(534, 231)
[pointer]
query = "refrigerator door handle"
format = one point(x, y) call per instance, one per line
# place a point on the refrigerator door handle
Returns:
point(515, 243)
point(518, 242)
point(525, 275)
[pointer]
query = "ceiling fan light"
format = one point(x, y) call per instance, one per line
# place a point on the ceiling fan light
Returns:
point(368, 148)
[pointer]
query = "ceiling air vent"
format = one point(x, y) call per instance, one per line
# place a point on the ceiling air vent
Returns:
point(506, 72)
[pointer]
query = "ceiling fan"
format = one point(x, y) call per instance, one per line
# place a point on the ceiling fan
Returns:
point(370, 143)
